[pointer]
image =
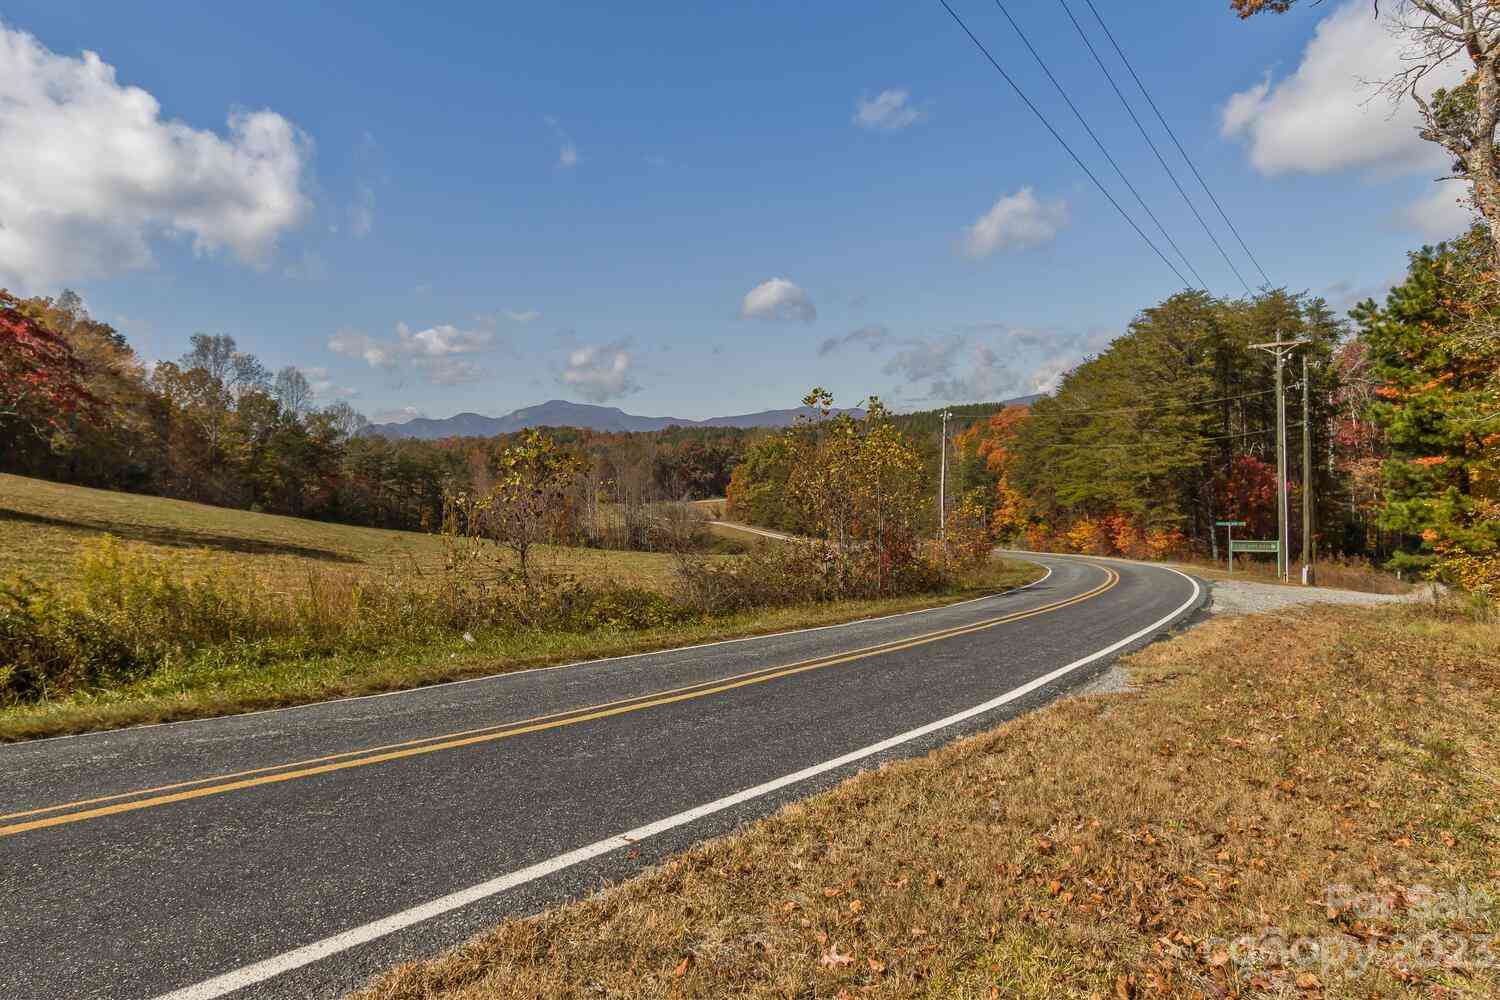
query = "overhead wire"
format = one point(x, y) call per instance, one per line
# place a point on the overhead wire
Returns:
point(1100, 143)
point(1152, 142)
point(1062, 142)
point(1220, 437)
point(1170, 402)
point(1191, 165)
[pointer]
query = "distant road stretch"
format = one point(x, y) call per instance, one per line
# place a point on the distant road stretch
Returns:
point(764, 532)
point(292, 853)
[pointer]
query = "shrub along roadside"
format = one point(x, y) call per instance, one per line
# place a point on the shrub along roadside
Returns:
point(141, 638)
point(1297, 779)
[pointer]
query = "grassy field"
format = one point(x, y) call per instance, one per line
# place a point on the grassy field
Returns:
point(1297, 805)
point(273, 611)
point(43, 525)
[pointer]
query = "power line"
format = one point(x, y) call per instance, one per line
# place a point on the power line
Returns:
point(1222, 214)
point(1221, 437)
point(1062, 142)
point(1182, 402)
point(1152, 143)
point(1098, 142)
point(1268, 430)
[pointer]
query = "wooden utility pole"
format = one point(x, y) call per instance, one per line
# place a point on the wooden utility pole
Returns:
point(1309, 552)
point(1281, 350)
point(943, 485)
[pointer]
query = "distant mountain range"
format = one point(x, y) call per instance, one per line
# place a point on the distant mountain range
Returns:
point(561, 413)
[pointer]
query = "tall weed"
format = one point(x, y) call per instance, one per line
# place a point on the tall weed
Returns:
point(129, 612)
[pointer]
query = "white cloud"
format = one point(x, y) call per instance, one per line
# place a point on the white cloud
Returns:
point(522, 316)
point(398, 415)
point(352, 343)
point(888, 111)
point(1327, 115)
point(599, 374)
point(362, 212)
point(451, 371)
point(779, 300)
point(436, 341)
point(325, 389)
point(872, 335)
point(1016, 221)
point(1443, 213)
point(955, 369)
point(430, 352)
point(568, 155)
point(988, 362)
point(93, 174)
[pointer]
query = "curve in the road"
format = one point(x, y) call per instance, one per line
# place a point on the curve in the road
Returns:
point(379, 862)
point(241, 780)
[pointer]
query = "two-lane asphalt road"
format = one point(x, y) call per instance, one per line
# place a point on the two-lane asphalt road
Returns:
point(294, 852)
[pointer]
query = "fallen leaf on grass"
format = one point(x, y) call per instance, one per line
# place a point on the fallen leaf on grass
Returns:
point(832, 959)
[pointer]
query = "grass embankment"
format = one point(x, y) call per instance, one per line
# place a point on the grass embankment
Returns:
point(206, 688)
point(210, 611)
point(1110, 845)
point(43, 527)
point(1336, 574)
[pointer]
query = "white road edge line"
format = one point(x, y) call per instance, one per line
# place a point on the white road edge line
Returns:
point(492, 678)
point(261, 971)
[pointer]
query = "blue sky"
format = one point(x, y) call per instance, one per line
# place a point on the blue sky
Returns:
point(683, 209)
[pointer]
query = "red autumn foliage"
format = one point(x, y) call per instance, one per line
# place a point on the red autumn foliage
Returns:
point(1246, 491)
point(42, 380)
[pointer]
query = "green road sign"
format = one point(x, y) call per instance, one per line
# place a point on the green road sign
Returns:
point(1230, 524)
point(1255, 545)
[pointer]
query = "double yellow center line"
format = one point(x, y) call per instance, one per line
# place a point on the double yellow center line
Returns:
point(147, 798)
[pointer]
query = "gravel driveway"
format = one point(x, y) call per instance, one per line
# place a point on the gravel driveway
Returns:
point(1233, 597)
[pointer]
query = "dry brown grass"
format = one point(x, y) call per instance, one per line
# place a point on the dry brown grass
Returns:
point(1100, 847)
point(44, 525)
point(1338, 574)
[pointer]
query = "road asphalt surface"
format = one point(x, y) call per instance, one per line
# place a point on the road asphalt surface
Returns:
point(293, 853)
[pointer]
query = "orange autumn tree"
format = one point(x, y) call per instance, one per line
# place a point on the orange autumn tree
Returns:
point(992, 442)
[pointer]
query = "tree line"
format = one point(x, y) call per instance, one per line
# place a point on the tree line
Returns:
point(78, 405)
point(1143, 448)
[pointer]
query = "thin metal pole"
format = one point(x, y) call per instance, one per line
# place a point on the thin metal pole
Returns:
point(1230, 541)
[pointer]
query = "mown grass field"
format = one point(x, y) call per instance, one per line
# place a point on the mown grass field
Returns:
point(1294, 805)
point(43, 525)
